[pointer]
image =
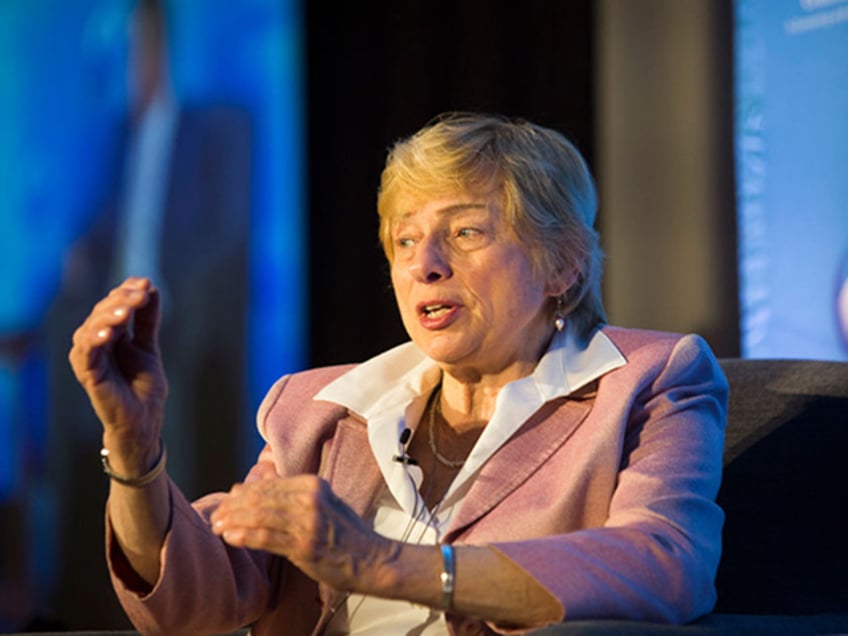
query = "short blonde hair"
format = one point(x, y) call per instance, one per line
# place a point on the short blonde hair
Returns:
point(543, 183)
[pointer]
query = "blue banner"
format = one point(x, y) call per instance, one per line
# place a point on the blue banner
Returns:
point(792, 177)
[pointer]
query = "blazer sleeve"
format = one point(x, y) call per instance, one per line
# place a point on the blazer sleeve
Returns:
point(204, 585)
point(656, 556)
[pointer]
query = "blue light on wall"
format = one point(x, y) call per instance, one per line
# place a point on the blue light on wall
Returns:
point(792, 163)
point(252, 53)
point(62, 87)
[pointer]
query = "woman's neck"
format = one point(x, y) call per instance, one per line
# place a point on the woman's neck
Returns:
point(468, 399)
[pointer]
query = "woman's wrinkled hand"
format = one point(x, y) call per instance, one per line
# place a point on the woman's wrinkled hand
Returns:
point(301, 519)
point(115, 357)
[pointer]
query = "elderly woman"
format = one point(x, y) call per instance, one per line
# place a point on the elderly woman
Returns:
point(517, 464)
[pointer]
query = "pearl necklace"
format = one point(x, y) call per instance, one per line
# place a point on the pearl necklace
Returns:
point(450, 463)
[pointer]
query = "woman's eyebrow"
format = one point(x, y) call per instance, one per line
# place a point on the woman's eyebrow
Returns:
point(447, 210)
point(461, 207)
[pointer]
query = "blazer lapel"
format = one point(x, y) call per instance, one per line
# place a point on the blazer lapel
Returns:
point(349, 466)
point(522, 455)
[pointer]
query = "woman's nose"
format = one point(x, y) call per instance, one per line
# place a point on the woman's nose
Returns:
point(430, 263)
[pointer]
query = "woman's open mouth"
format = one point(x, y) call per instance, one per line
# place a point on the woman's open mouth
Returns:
point(436, 315)
point(434, 311)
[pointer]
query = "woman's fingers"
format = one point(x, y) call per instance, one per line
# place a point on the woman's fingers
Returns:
point(134, 302)
point(271, 515)
point(110, 320)
point(302, 519)
point(269, 504)
point(146, 324)
point(115, 357)
point(116, 308)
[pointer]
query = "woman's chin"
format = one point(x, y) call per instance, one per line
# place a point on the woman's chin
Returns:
point(443, 349)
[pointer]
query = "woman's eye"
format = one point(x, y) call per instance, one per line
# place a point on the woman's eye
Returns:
point(403, 242)
point(468, 238)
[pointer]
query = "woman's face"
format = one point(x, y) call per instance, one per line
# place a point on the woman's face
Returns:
point(465, 286)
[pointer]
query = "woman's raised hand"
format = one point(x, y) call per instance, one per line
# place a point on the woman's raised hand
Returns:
point(115, 357)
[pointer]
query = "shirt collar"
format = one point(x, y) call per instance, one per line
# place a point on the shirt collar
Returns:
point(388, 391)
point(393, 379)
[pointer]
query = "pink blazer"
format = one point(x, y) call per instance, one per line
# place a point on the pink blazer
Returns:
point(607, 497)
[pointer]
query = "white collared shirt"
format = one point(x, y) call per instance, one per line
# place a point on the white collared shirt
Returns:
point(390, 393)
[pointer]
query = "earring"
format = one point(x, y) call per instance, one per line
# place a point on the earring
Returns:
point(559, 317)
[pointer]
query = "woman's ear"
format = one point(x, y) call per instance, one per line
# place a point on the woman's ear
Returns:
point(560, 282)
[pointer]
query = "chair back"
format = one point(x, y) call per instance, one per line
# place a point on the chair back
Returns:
point(785, 488)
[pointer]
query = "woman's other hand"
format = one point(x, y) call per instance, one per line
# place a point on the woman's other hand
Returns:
point(301, 519)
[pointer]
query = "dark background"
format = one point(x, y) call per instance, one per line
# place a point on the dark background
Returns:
point(379, 75)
